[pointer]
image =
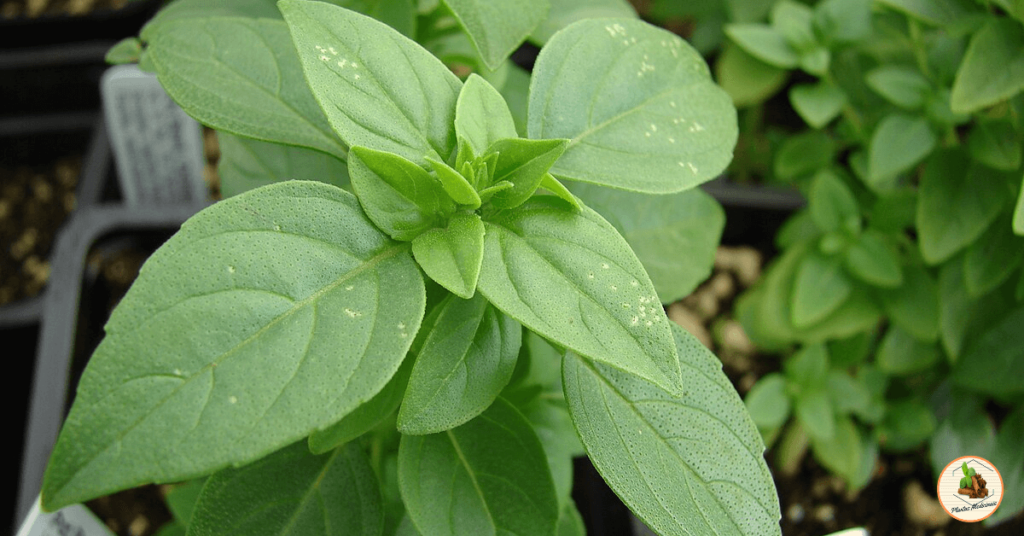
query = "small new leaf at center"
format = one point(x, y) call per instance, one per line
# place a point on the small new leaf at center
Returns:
point(401, 198)
point(524, 163)
point(452, 256)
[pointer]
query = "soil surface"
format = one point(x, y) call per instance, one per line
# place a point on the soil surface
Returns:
point(34, 202)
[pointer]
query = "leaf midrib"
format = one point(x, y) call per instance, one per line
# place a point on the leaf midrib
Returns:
point(372, 262)
point(472, 476)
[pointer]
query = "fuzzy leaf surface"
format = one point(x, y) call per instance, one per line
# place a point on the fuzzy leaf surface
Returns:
point(497, 28)
point(486, 477)
point(524, 163)
point(466, 360)
point(378, 88)
point(683, 464)
point(399, 196)
point(293, 493)
point(246, 164)
point(637, 104)
point(364, 418)
point(690, 221)
point(570, 277)
point(305, 295)
point(242, 76)
point(481, 115)
point(451, 256)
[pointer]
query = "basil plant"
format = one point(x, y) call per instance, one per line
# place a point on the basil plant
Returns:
point(420, 340)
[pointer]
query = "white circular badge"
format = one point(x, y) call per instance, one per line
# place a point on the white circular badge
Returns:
point(970, 488)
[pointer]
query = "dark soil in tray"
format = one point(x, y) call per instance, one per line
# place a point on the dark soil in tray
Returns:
point(14, 9)
point(35, 200)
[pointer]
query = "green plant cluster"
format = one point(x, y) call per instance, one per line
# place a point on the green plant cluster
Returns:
point(418, 331)
point(900, 285)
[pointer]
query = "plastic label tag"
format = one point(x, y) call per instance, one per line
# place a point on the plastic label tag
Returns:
point(74, 520)
point(157, 147)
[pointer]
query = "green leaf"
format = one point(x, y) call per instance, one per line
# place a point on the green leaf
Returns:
point(903, 86)
point(202, 9)
point(398, 14)
point(804, 154)
point(900, 354)
point(466, 360)
point(551, 184)
point(683, 464)
point(820, 287)
point(286, 358)
point(565, 12)
point(967, 428)
point(767, 401)
point(451, 256)
point(690, 221)
point(993, 258)
point(832, 204)
point(516, 92)
point(847, 352)
point(181, 500)
point(1009, 457)
point(847, 394)
point(524, 164)
point(570, 523)
point(498, 28)
point(963, 317)
point(246, 164)
point(173, 528)
point(637, 103)
point(457, 187)
point(843, 21)
point(914, 306)
point(767, 317)
point(907, 424)
point(293, 492)
point(816, 61)
point(1018, 213)
point(488, 476)
point(746, 79)
point(571, 278)
point(819, 103)
point(378, 88)
point(994, 363)
point(872, 260)
point(481, 115)
point(549, 417)
point(364, 418)
point(793, 20)
point(240, 76)
point(798, 228)
point(957, 201)
point(842, 453)
point(127, 50)
point(401, 198)
point(894, 211)
point(993, 67)
point(899, 142)
point(936, 12)
point(764, 43)
point(814, 411)
point(995, 144)
point(808, 368)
